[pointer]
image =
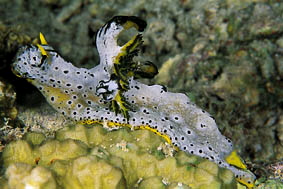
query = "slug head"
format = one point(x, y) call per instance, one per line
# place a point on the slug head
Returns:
point(32, 61)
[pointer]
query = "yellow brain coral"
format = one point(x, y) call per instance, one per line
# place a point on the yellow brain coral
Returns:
point(78, 158)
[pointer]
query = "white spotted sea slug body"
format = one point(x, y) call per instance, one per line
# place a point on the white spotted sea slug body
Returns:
point(110, 94)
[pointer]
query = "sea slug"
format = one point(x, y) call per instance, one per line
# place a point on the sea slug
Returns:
point(110, 94)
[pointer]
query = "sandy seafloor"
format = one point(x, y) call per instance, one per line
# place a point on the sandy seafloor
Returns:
point(227, 56)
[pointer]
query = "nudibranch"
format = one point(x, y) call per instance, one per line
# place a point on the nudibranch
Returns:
point(111, 95)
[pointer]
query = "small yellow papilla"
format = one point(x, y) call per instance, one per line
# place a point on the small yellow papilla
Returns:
point(234, 159)
point(248, 185)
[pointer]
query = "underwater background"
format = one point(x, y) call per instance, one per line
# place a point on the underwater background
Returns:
point(226, 55)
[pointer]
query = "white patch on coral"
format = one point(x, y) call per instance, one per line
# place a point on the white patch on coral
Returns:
point(167, 149)
point(123, 146)
point(165, 181)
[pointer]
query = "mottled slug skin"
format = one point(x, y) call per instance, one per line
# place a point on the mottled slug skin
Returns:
point(85, 95)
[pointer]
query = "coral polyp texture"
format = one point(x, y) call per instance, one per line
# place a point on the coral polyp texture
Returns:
point(83, 156)
point(109, 94)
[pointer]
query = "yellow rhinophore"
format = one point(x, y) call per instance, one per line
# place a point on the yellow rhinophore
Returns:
point(42, 39)
point(234, 159)
point(42, 42)
point(42, 50)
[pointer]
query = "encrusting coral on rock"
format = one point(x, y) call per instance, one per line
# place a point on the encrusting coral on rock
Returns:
point(109, 94)
point(8, 110)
